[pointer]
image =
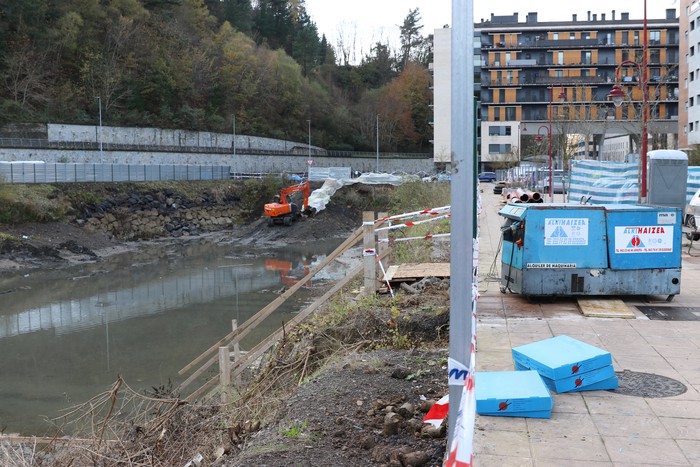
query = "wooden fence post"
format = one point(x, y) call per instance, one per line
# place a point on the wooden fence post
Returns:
point(236, 352)
point(369, 252)
point(224, 372)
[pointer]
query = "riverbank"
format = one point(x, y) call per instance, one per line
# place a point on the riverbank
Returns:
point(346, 388)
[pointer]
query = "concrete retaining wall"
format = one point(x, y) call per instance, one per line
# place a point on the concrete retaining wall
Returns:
point(162, 137)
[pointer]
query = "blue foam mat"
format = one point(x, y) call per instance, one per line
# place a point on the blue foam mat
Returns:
point(512, 393)
point(561, 357)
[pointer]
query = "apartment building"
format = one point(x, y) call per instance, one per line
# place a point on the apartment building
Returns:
point(551, 79)
point(689, 71)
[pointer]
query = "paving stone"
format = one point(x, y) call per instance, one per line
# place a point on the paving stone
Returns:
point(643, 451)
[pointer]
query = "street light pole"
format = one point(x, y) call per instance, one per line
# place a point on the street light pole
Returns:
point(309, 160)
point(549, 132)
point(539, 140)
point(99, 103)
point(618, 95)
point(233, 142)
point(377, 143)
point(645, 91)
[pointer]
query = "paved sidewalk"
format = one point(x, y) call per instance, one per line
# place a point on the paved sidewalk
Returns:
point(593, 428)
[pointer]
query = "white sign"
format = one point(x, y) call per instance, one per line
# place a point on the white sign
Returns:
point(457, 372)
point(565, 232)
point(551, 265)
point(666, 218)
point(644, 239)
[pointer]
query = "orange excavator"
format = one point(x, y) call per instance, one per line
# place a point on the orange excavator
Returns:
point(289, 205)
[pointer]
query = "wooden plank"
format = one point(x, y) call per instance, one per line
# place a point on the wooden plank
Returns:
point(265, 312)
point(608, 308)
point(256, 352)
point(391, 270)
point(419, 271)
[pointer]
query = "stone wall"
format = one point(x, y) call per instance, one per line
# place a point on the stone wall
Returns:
point(152, 223)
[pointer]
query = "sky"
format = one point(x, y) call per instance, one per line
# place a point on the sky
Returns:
point(370, 21)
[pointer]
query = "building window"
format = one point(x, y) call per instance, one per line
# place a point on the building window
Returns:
point(499, 148)
point(586, 72)
point(692, 25)
point(654, 56)
point(692, 76)
point(692, 50)
point(572, 36)
point(560, 58)
point(558, 73)
point(625, 37)
point(691, 126)
point(555, 36)
point(586, 57)
point(625, 55)
point(655, 37)
point(690, 102)
point(636, 37)
point(511, 112)
point(499, 130)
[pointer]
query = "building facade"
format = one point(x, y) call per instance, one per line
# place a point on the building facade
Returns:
point(689, 90)
point(553, 78)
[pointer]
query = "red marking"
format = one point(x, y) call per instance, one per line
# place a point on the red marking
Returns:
point(427, 237)
point(636, 241)
point(409, 224)
point(503, 406)
point(578, 382)
point(575, 369)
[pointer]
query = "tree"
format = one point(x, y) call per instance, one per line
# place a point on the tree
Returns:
point(239, 13)
point(410, 35)
point(272, 24)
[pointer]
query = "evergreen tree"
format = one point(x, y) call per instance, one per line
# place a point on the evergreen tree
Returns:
point(239, 13)
point(410, 35)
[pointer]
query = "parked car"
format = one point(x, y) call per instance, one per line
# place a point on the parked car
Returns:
point(542, 186)
point(487, 177)
point(692, 212)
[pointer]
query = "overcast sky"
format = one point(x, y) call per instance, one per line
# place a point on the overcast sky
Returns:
point(378, 20)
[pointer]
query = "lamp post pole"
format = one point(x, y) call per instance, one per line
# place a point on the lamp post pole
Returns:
point(377, 143)
point(549, 133)
point(539, 140)
point(99, 104)
point(233, 142)
point(309, 160)
point(618, 95)
point(645, 135)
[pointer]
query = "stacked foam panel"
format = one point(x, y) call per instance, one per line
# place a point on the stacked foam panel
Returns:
point(512, 394)
point(567, 365)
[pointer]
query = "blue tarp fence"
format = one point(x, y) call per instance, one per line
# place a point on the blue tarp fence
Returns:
point(614, 182)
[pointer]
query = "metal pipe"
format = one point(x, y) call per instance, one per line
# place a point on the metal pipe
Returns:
point(462, 192)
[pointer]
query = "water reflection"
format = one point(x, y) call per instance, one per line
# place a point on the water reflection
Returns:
point(65, 335)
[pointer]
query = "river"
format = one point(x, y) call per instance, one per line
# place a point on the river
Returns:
point(66, 334)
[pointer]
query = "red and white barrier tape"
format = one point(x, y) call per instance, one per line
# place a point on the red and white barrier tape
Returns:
point(412, 224)
point(386, 279)
point(424, 237)
point(424, 212)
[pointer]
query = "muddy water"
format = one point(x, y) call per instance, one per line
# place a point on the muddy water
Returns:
point(65, 335)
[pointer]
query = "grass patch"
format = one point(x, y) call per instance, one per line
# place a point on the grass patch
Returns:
point(30, 203)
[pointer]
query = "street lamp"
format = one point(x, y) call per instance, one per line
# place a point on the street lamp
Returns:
point(233, 142)
point(309, 160)
point(99, 103)
point(561, 96)
point(617, 95)
point(377, 143)
point(539, 140)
